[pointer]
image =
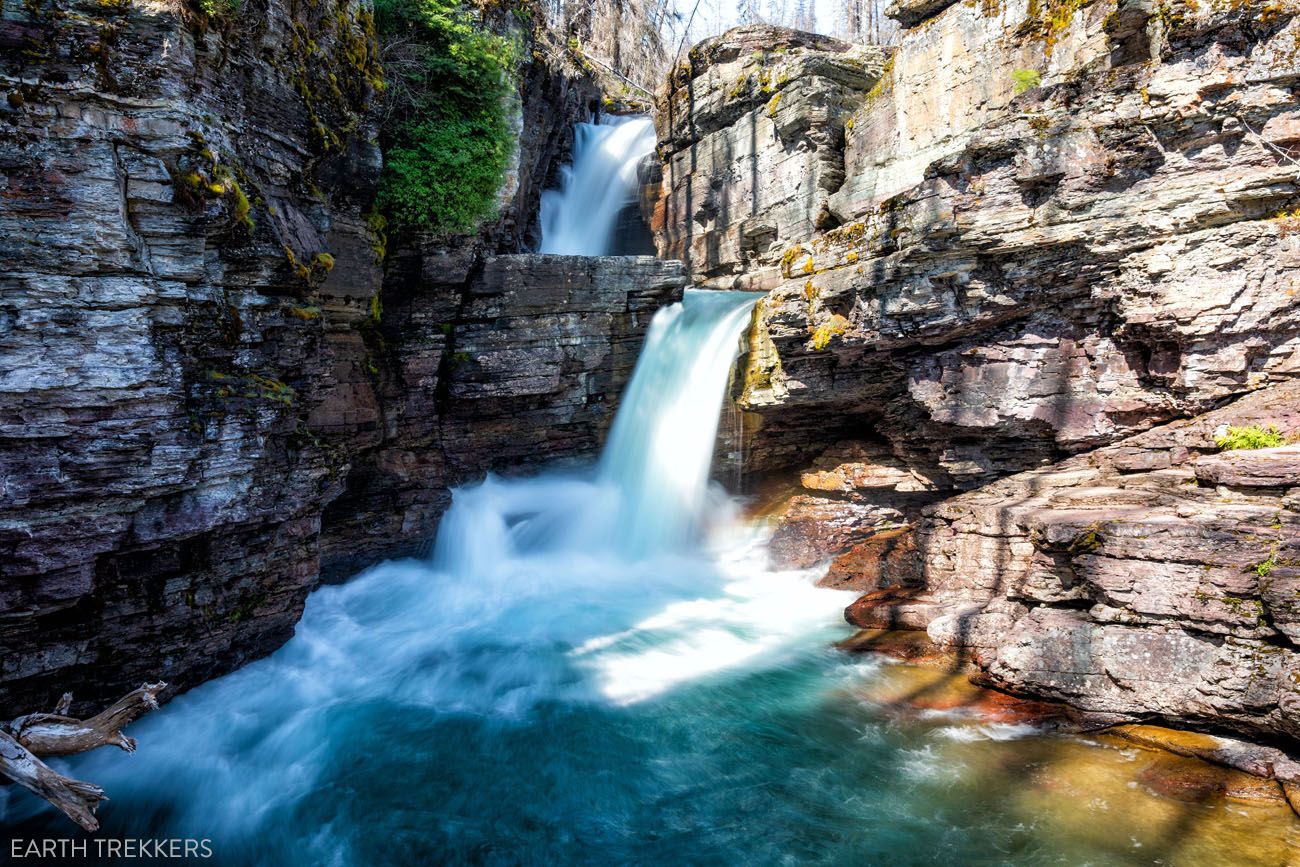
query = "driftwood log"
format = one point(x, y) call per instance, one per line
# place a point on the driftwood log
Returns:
point(24, 740)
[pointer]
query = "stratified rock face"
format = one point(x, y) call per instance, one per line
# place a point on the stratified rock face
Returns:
point(154, 548)
point(1039, 230)
point(853, 492)
point(1151, 578)
point(751, 130)
point(204, 394)
point(520, 366)
point(1055, 225)
point(170, 190)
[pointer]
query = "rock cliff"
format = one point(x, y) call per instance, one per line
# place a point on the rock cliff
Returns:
point(211, 387)
point(1155, 578)
point(1030, 231)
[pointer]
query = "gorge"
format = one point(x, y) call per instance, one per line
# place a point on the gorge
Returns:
point(987, 339)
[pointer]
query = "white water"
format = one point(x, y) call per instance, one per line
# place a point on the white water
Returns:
point(579, 218)
point(576, 589)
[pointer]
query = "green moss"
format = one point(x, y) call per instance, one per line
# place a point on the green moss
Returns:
point(239, 205)
point(300, 270)
point(200, 176)
point(332, 61)
point(1025, 79)
point(1049, 19)
point(884, 83)
point(371, 329)
point(1086, 542)
point(787, 260)
point(1252, 437)
point(253, 386)
point(1263, 568)
point(377, 233)
point(446, 153)
point(246, 608)
point(219, 8)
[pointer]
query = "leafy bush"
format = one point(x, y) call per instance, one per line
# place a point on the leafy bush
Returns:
point(447, 142)
point(1253, 437)
point(220, 8)
point(1025, 79)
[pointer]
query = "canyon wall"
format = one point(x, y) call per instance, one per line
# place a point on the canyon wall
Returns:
point(951, 263)
point(214, 386)
point(1028, 232)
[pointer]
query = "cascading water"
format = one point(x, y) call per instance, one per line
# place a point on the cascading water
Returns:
point(579, 676)
point(661, 446)
point(579, 218)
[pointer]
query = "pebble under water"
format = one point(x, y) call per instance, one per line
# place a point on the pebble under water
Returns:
point(556, 688)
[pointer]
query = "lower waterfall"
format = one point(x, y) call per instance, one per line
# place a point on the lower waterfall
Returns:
point(599, 669)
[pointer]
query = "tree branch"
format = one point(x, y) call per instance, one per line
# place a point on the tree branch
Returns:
point(55, 734)
point(76, 799)
point(51, 734)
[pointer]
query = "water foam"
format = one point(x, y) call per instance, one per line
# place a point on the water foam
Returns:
point(579, 218)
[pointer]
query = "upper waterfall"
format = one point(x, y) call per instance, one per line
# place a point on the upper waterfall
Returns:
point(579, 218)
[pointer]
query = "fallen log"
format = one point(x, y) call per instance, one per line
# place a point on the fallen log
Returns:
point(24, 740)
point(52, 734)
point(78, 800)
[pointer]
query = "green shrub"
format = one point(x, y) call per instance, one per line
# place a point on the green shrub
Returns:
point(448, 141)
point(1253, 437)
point(1025, 79)
point(220, 8)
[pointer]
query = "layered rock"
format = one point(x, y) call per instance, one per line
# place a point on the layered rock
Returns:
point(1029, 231)
point(751, 130)
point(208, 388)
point(1152, 579)
point(172, 191)
point(520, 366)
point(853, 491)
point(1051, 226)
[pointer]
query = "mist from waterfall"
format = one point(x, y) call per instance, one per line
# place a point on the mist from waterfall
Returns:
point(579, 218)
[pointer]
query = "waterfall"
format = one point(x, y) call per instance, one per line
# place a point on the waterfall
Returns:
point(649, 496)
point(569, 590)
point(662, 443)
point(579, 218)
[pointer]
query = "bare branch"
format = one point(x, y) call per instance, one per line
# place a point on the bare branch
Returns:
point(54, 734)
point(48, 734)
point(76, 799)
